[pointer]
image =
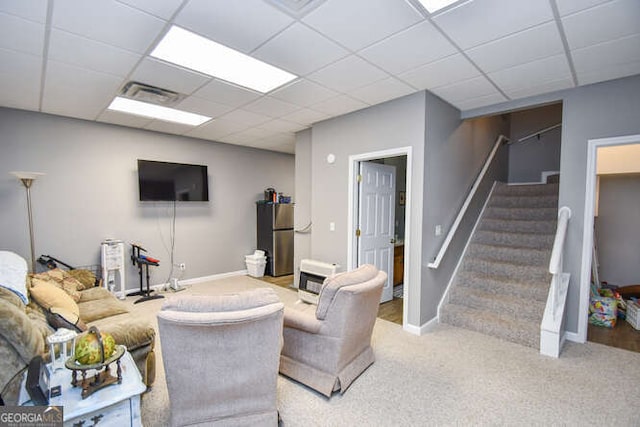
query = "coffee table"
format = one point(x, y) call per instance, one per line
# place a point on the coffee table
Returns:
point(115, 405)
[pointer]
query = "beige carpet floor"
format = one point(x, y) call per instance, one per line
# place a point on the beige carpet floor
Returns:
point(447, 377)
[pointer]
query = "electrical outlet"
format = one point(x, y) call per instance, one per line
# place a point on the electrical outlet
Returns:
point(182, 266)
point(438, 230)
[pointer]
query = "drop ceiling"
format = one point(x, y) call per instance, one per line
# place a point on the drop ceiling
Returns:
point(72, 57)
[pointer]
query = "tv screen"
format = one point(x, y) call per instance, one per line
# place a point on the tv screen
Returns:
point(164, 181)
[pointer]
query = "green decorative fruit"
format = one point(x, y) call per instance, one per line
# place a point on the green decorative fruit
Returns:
point(87, 351)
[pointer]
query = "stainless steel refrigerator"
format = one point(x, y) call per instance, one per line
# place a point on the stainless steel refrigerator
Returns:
point(275, 237)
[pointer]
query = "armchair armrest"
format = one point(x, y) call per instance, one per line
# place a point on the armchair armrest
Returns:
point(298, 320)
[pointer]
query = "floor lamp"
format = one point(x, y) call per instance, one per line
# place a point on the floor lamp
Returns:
point(27, 179)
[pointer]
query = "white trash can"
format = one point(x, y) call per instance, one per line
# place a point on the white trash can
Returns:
point(256, 263)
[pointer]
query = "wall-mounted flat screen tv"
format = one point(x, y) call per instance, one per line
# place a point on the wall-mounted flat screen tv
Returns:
point(164, 181)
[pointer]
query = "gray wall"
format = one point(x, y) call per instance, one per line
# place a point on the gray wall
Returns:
point(90, 192)
point(302, 240)
point(618, 229)
point(397, 123)
point(455, 152)
point(528, 159)
point(597, 111)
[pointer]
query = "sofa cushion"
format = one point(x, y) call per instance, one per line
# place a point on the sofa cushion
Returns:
point(11, 297)
point(18, 329)
point(13, 271)
point(61, 318)
point(94, 294)
point(86, 278)
point(101, 308)
point(48, 295)
point(126, 330)
point(60, 279)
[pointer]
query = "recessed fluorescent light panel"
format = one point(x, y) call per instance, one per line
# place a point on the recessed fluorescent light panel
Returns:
point(433, 6)
point(198, 53)
point(167, 114)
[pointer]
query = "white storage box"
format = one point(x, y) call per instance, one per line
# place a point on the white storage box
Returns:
point(256, 263)
point(633, 314)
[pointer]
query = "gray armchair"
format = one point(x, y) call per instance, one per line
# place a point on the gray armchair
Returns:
point(220, 356)
point(327, 349)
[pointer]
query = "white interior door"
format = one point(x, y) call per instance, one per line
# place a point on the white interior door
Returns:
point(376, 220)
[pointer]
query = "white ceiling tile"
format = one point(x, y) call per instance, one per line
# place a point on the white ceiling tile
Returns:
point(299, 50)
point(306, 116)
point(539, 89)
point(20, 80)
point(168, 127)
point(440, 73)
point(279, 125)
point(347, 74)
point(242, 25)
point(359, 23)
point(77, 92)
point(472, 88)
point(87, 53)
point(303, 92)
point(108, 21)
point(21, 35)
point(123, 119)
point(341, 104)
point(476, 22)
point(202, 106)
point(608, 72)
point(271, 107)
point(525, 46)
point(216, 129)
point(167, 76)
point(607, 55)
point(34, 10)
point(163, 9)
point(226, 93)
point(381, 91)
point(481, 101)
point(606, 22)
point(247, 118)
point(566, 7)
point(532, 73)
point(406, 50)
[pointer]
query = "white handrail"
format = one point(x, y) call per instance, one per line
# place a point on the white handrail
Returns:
point(555, 263)
point(452, 231)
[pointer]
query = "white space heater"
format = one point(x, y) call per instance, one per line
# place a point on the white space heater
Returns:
point(312, 275)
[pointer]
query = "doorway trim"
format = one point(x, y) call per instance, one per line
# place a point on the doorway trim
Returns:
point(352, 220)
point(587, 232)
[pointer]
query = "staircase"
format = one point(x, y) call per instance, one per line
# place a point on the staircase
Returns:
point(502, 285)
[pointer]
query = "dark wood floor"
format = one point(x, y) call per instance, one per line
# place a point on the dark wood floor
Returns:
point(621, 336)
point(391, 311)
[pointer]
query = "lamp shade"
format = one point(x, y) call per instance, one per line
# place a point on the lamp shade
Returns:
point(26, 175)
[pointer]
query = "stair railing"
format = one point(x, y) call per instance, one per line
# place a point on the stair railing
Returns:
point(551, 338)
point(463, 209)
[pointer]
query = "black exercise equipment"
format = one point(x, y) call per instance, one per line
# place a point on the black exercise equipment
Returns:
point(143, 262)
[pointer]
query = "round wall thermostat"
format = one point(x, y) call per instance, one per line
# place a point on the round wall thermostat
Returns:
point(331, 158)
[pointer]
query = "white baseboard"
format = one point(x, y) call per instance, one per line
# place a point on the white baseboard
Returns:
point(423, 329)
point(573, 337)
point(193, 281)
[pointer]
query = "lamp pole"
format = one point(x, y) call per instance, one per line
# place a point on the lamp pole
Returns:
point(27, 179)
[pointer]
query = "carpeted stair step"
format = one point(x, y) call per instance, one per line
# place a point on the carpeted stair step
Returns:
point(526, 190)
point(538, 214)
point(506, 305)
point(539, 257)
point(520, 331)
point(516, 201)
point(523, 240)
point(504, 286)
point(519, 225)
point(502, 269)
